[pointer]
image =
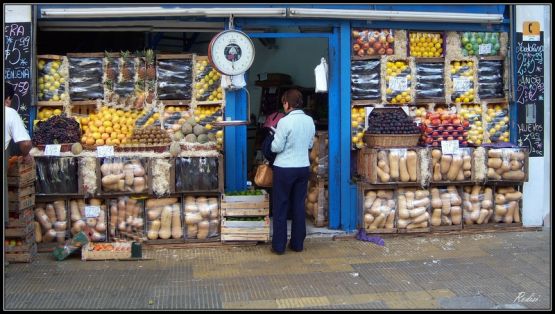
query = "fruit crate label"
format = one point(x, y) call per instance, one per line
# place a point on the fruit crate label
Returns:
point(398, 84)
point(92, 211)
point(52, 150)
point(484, 49)
point(105, 151)
point(461, 84)
point(450, 147)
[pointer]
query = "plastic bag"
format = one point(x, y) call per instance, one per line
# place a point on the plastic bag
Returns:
point(378, 210)
point(174, 79)
point(321, 74)
point(85, 81)
point(446, 206)
point(413, 207)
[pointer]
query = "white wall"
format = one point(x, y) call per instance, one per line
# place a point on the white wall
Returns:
point(296, 57)
point(537, 191)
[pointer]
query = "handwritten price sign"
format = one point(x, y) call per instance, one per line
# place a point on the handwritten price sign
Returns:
point(398, 84)
point(450, 147)
point(461, 84)
point(52, 150)
point(105, 151)
point(92, 211)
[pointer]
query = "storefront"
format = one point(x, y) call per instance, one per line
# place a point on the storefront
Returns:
point(331, 31)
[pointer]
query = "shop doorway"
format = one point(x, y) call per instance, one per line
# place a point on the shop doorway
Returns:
point(283, 61)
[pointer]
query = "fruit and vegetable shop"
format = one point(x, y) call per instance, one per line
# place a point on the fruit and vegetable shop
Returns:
point(430, 119)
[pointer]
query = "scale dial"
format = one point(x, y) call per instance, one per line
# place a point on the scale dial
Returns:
point(231, 52)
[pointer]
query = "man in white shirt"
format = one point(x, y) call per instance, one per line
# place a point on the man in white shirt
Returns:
point(292, 139)
point(14, 130)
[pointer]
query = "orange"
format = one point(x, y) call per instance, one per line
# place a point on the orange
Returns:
point(90, 141)
point(105, 136)
point(113, 135)
point(99, 142)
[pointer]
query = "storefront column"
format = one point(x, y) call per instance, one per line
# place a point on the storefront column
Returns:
point(235, 141)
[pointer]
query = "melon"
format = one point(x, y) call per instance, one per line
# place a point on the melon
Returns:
point(175, 149)
point(187, 128)
point(76, 148)
point(199, 129)
point(190, 138)
point(202, 138)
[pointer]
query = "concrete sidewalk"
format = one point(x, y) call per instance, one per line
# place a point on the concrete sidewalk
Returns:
point(504, 270)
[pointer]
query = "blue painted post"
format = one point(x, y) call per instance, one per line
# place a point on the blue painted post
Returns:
point(348, 208)
point(334, 187)
point(235, 142)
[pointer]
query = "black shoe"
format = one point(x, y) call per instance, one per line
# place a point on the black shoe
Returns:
point(276, 252)
point(292, 249)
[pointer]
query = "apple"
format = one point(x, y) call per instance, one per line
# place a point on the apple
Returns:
point(429, 130)
point(457, 121)
point(390, 39)
point(360, 53)
point(466, 123)
point(381, 51)
point(455, 133)
point(465, 134)
point(360, 40)
point(460, 128)
point(383, 39)
point(377, 45)
point(435, 122)
point(441, 128)
point(389, 51)
point(450, 128)
point(435, 144)
point(460, 138)
point(356, 34)
point(429, 140)
point(370, 51)
point(450, 138)
point(464, 143)
point(435, 133)
point(356, 47)
point(371, 40)
point(445, 134)
point(366, 45)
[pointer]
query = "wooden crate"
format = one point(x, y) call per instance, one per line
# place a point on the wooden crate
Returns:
point(19, 168)
point(22, 203)
point(22, 257)
point(525, 166)
point(21, 218)
point(219, 189)
point(453, 227)
point(320, 214)
point(24, 179)
point(362, 188)
point(466, 150)
point(171, 173)
point(122, 250)
point(100, 191)
point(23, 248)
point(20, 232)
point(17, 193)
point(367, 162)
point(245, 230)
point(215, 85)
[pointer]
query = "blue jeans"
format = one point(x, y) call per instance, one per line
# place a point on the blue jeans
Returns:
point(289, 189)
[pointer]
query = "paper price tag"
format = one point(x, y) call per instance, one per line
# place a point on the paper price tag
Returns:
point(105, 151)
point(398, 84)
point(52, 150)
point(484, 49)
point(461, 84)
point(450, 147)
point(92, 211)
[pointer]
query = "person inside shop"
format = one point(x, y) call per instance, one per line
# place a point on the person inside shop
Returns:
point(15, 133)
point(292, 141)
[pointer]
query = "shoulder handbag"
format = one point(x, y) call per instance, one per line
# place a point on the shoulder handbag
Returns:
point(264, 176)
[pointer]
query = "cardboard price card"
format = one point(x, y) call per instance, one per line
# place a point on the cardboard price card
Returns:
point(105, 151)
point(52, 150)
point(450, 147)
point(92, 211)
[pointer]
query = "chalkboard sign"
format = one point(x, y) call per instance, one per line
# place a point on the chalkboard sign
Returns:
point(18, 65)
point(530, 94)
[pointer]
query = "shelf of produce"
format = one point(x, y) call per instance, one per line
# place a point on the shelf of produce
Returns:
point(182, 102)
point(50, 103)
point(362, 189)
point(364, 102)
point(204, 103)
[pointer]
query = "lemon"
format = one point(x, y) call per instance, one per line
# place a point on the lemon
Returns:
point(56, 98)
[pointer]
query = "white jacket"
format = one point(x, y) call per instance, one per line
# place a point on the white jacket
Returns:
point(292, 140)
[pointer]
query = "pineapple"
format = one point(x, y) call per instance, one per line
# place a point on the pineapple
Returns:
point(150, 70)
point(110, 71)
point(125, 70)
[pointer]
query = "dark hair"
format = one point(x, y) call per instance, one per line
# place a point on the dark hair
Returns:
point(293, 97)
point(8, 91)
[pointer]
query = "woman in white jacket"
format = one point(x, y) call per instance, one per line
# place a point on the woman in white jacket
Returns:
point(292, 141)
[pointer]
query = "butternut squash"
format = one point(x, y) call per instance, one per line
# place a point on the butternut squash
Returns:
point(500, 199)
point(446, 221)
point(75, 214)
point(154, 229)
point(436, 200)
point(369, 199)
point(51, 213)
point(422, 224)
point(493, 175)
point(38, 232)
point(165, 223)
point(394, 165)
point(213, 227)
point(192, 231)
point(412, 165)
point(437, 172)
point(403, 211)
point(488, 196)
point(418, 211)
point(510, 212)
point(516, 216)
point(436, 217)
point(514, 175)
point(454, 168)
point(383, 194)
point(456, 213)
point(475, 215)
point(423, 202)
point(177, 231)
point(495, 163)
point(455, 198)
point(436, 156)
point(445, 164)
point(402, 223)
point(520, 156)
point(41, 216)
point(389, 223)
point(495, 153)
point(374, 225)
point(383, 176)
point(501, 210)
point(445, 203)
point(467, 165)
point(78, 226)
point(403, 171)
point(482, 217)
point(139, 184)
point(49, 236)
point(150, 203)
point(375, 209)
point(368, 219)
point(101, 222)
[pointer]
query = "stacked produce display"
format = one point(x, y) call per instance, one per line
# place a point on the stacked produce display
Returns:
point(316, 202)
point(245, 216)
point(19, 231)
